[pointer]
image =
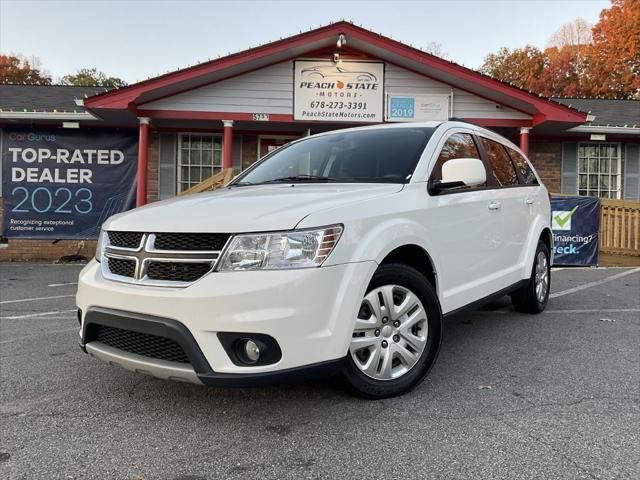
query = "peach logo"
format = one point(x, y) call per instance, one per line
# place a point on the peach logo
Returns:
point(339, 84)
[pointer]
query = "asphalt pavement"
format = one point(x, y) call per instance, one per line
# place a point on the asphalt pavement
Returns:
point(512, 396)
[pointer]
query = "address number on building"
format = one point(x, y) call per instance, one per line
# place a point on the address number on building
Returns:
point(260, 117)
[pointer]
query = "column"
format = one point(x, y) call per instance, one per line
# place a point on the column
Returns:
point(524, 140)
point(143, 154)
point(227, 144)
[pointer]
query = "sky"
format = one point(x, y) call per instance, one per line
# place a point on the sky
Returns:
point(138, 39)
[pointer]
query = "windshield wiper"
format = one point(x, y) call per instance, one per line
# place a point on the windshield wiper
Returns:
point(302, 178)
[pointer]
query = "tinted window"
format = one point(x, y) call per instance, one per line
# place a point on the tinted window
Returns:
point(523, 167)
point(458, 145)
point(502, 169)
point(375, 156)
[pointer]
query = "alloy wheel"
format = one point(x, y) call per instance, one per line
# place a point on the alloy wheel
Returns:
point(390, 334)
point(542, 277)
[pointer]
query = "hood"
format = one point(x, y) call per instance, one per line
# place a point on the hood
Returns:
point(245, 209)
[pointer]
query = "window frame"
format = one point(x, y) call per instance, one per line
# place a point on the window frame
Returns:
point(521, 180)
point(491, 182)
point(434, 160)
point(618, 175)
point(179, 163)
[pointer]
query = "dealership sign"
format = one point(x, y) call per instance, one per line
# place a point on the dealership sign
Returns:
point(338, 91)
point(417, 108)
point(575, 222)
point(64, 184)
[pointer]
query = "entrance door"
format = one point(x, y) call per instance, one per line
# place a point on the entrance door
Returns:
point(270, 143)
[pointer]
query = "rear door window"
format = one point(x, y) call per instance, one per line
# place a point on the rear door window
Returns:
point(526, 172)
point(458, 145)
point(502, 169)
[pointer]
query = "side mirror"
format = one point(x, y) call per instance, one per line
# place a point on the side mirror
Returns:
point(460, 172)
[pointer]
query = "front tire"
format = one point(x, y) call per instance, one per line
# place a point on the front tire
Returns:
point(533, 297)
point(397, 334)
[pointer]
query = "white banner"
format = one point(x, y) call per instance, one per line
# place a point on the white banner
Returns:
point(338, 92)
point(417, 108)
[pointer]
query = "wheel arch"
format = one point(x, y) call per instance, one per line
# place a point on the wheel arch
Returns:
point(414, 256)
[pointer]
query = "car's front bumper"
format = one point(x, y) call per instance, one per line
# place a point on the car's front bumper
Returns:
point(309, 312)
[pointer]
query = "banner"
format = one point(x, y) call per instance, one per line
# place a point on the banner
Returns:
point(338, 92)
point(418, 108)
point(64, 184)
point(575, 222)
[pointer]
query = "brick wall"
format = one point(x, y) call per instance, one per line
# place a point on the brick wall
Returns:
point(546, 158)
point(42, 250)
point(249, 150)
point(47, 251)
point(153, 160)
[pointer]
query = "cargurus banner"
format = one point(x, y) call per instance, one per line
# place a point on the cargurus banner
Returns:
point(65, 183)
point(575, 222)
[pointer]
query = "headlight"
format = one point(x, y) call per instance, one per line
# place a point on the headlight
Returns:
point(99, 245)
point(280, 250)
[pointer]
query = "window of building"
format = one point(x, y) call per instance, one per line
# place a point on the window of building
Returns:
point(599, 170)
point(502, 169)
point(458, 145)
point(199, 157)
point(523, 167)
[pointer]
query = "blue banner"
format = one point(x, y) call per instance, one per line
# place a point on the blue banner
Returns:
point(575, 222)
point(64, 184)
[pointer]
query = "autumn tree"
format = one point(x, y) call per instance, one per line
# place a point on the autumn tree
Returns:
point(616, 51)
point(20, 70)
point(520, 67)
point(577, 32)
point(602, 63)
point(91, 77)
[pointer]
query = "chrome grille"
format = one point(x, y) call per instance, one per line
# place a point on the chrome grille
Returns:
point(191, 241)
point(177, 271)
point(139, 343)
point(125, 239)
point(161, 259)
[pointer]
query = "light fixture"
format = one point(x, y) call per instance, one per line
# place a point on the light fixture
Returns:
point(342, 40)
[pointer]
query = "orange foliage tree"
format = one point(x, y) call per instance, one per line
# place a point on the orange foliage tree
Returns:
point(605, 64)
point(18, 70)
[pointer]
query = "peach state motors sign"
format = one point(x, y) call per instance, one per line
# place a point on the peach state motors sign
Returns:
point(338, 91)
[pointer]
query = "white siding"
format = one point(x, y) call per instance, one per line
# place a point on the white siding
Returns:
point(465, 105)
point(270, 90)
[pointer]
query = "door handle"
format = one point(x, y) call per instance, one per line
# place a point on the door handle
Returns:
point(495, 205)
point(529, 201)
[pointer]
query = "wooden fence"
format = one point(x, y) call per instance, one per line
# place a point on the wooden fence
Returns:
point(620, 227)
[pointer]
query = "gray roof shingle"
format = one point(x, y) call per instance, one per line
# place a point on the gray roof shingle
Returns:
point(44, 98)
point(607, 112)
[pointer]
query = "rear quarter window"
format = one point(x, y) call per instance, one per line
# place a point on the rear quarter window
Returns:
point(502, 169)
point(526, 172)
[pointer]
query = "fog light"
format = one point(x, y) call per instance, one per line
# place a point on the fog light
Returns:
point(251, 351)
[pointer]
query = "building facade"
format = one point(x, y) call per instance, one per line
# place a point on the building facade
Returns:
point(229, 112)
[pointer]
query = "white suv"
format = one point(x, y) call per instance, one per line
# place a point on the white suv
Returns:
point(340, 252)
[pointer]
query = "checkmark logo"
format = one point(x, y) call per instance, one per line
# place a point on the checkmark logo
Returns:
point(561, 220)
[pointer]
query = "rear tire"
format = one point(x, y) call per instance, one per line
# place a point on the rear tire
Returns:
point(533, 297)
point(397, 334)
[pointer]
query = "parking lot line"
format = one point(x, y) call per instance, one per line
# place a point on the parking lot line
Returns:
point(62, 284)
point(24, 337)
point(33, 315)
point(595, 310)
point(594, 284)
point(35, 299)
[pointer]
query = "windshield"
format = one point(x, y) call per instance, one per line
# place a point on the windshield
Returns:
point(367, 156)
